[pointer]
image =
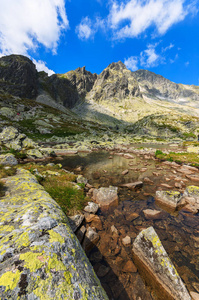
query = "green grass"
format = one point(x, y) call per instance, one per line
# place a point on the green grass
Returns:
point(184, 157)
point(18, 154)
point(67, 196)
point(61, 188)
point(158, 152)
point(7, 172)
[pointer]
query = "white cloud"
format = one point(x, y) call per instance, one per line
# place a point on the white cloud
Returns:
point(131, 63)
point(133, 17)
point(24, 24)
point(186, 64)
point(149, 57)
point(175, 58)
point(84, 30)
point(87, 28)
point(168, 47)
point(41, 66)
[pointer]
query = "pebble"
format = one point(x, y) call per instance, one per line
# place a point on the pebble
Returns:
point(126, 241)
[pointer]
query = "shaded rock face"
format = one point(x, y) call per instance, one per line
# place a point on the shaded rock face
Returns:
point(40, 256)
point(18, 76)
point(155, 85)
point(83, 80)
point(153, 260)
point(62, 90)
point(115, 83)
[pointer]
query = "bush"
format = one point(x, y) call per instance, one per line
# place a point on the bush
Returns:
point(18, 154)
point(157, 152)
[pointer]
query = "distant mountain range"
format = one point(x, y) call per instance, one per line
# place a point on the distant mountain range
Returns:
point(141, 101)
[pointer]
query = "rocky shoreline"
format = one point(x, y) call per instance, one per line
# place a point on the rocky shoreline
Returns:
point(91, 233)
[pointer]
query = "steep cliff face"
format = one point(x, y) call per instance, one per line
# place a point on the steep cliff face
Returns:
point(115, 83)
point(62, 90)
point(18, 76)
point(156, 86)
point(82, 80)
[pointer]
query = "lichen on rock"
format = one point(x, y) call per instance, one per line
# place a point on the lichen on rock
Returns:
point(40, 256)
point(153, 261)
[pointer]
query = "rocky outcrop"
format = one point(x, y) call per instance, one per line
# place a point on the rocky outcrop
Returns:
point(62, 90)
point(156, 86)
point(11, 138)
point(40, 256)
point(157, 268)
point(18, 76)
point(83, 80)
point(115, 83)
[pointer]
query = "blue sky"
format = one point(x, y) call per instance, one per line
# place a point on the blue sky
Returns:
point(158, 35)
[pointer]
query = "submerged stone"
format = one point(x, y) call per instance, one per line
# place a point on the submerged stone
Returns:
point(153, 214)
point(133, 185)
point(157, 268)
point(106, 197)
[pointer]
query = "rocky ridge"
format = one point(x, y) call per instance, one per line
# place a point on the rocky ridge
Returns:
point(117, 97)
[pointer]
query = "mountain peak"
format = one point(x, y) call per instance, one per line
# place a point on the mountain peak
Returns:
point(117, 66)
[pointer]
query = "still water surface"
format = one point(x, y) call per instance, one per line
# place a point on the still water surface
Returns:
point(178, 231)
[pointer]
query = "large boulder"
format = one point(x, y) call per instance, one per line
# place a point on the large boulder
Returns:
point(18, 76)
point(40, 256)
point(8, 160)
point(168, 198)
point(34, 153)
point(191, 198)
point(157, 268)
point(8, 133)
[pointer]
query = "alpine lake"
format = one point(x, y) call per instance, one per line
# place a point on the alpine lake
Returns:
point(178, 230)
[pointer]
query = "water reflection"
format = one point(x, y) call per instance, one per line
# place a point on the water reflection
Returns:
point(178, 231)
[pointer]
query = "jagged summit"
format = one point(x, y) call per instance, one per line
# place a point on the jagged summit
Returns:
point(18, 76)
point(117, 66)
point(157, 87)
point(115, 93)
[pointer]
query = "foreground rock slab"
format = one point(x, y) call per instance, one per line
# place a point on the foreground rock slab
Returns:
point(40, 256)
point(154, 263)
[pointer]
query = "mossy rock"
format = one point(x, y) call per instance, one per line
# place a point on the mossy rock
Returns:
point(40, 256)
point(8, 159)
point(34, 153)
